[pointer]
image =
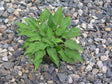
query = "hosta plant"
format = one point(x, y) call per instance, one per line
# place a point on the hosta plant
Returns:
point(50, 37)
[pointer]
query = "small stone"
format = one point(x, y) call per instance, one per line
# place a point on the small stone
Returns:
point(75, 77)
point(100, 64)
point(62, 77)
point(8, 77)
point(5, 58)
point(1, 12)
point(80, 5)
point(108, 29)
point(5, 14)
point(104, 69)
point(10, 10)
point(8, 65)
point(17, 53)
point(68, 14)
point(46, 75)
point(2, 8)
point(20, 73)
point(50, 82)
point(16, 13)
point(97, 50)
point(108, 74)
point(90, 77)
point(70, 79)
point(95, 71)
point(10, 49)
point(11, 18)
point(88, 68)
point(80, 12)
point(37, 2)
point(70, 67)
point(104, 58)
point(9, 31)
point(96, 39)
point(84, 25)
point(31, 76)
point(2, 28)
point(13, 80)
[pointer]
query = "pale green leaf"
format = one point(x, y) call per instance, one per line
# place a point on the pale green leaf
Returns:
point(35, 36)
point(51, 23)
point(64, 25)
point(34, 21)
point(30, 24)
point(46, 40)
point(26, 43)
point(73, 45)
point(45, 15)
point(73, 32)
point(58, 16)
point(38, 58)
point(73, 54)
point(65, 57)
point(30, 56)
point(36, 46)
point(43, 29)
point(53, 55)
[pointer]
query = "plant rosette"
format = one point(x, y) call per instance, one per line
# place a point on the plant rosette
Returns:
point(50, 36)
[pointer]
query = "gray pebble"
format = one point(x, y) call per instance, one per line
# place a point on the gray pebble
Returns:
point(8, 65)
point(90, 77)
point(17, 53)
point(62, 77)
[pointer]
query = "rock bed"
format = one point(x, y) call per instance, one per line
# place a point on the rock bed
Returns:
point(93, 17)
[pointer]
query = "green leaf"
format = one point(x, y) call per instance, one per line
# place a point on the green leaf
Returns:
point(73, 54)
point(58, 16)
point(36, 46)
point(65, 57)
point(73, 32)
point(50, 33)
point(58, 40)
point(26, 43)
point(30, 56)
point(46, 40)
point(51, 23)
point(45, 15)
point(64, 25)
point(59, 47)
point(34, 21)
point(53, 55)
point(43, 29)
point(73, 45)
point(30, 24)
point(23, 25)
point(35, 36)
point(38, 58)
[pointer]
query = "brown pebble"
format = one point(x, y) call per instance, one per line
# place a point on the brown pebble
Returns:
point(11, 18)
point(68, 14)
point(2, 28)
point(108, 29)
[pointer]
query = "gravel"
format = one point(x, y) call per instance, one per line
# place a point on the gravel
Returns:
point(93, 17)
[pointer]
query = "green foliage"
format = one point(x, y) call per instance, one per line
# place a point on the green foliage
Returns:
point(50, 36)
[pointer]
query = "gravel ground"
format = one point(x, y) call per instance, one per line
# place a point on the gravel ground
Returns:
point(93, 17)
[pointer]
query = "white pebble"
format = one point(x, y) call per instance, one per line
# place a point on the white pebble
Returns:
point(70, 79)
point(104, 69)
point(20, 73)
point(5, 58)
point(100, 64)
point(84, 25)
point(103, 58)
